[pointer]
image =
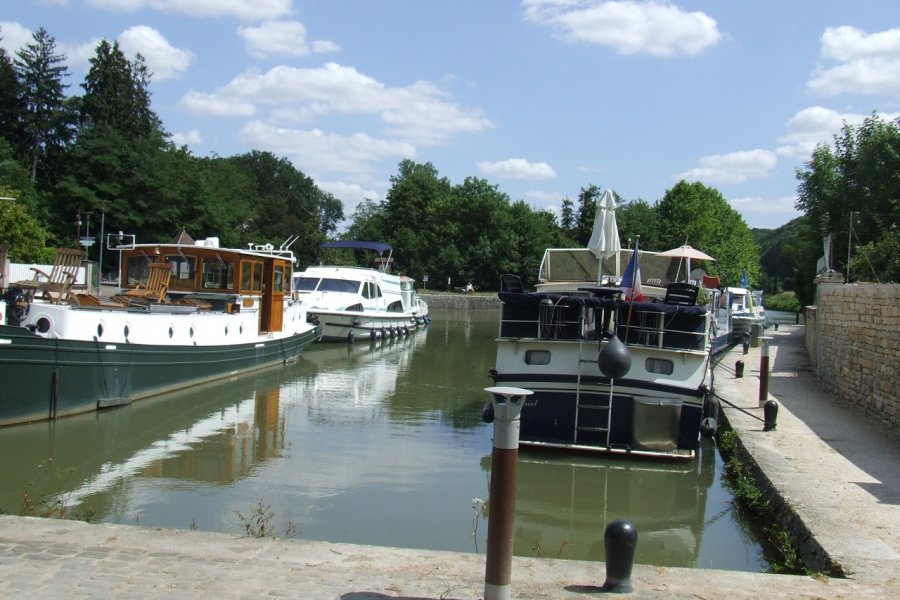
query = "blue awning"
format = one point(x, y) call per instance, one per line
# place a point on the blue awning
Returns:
point(380, 247)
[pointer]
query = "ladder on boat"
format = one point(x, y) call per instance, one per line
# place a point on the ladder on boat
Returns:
point(592, 421)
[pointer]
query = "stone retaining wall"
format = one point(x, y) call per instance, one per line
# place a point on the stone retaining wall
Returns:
point(853, 340)
point(461, 301)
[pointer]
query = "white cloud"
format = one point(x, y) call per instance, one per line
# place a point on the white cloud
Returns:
point(868, 63)
point(79, 55)
point(754, 206)
point(817, 125)
point(629, 27)
point(417, 114)
point(314, 151)
point(516, 168)
point(325, 47)
point(163, 60)
point(213, 105)
point(245, 10)
point(350, 194)
point(15, 37)
point(282, 38)
point(190, 138)
point(735, 167)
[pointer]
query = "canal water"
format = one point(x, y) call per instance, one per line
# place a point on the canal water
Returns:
point(380, 445)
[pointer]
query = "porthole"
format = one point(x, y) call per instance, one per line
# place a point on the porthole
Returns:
point(537, 357)
point(171, 331)
point(226, 330)
point(99, 330)
point(43, 325)
point(126, 331)
point(659, 365)
point(241, 330)
point(191, 332)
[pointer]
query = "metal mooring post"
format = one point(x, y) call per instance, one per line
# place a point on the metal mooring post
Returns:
point(506, 406)
point(764, 370)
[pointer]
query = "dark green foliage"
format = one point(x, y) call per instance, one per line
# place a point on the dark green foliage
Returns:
point(116, 94)
point(853, 193)
point(47, 120)
point(701, 217)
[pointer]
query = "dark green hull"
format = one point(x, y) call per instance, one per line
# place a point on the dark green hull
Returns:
point(43, 378)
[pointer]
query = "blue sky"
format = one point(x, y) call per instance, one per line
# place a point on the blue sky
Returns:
point(540, 97)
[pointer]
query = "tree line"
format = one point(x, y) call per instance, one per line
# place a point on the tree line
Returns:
point(105, 153)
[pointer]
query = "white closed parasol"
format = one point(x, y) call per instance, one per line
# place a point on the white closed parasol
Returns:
point(604, 240)
point(686, 252)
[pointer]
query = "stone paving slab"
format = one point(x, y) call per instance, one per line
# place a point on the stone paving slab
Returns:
point(834, 473)
point(43, 558)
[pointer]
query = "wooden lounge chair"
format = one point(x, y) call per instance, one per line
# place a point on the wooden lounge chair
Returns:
point(156, 286)
point(56, 285)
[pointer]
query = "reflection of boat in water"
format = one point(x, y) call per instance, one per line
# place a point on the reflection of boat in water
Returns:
point(361, 376)
point(565, 502)
point(214, 434)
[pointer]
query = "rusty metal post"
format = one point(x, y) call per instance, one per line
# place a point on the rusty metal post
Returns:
point(764, 370)
point(507, 403)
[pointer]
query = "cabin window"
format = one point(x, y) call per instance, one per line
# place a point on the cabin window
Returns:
point(136, 270)
point(278, 279)
point(183, 269)
point(306, 284)
point(537, 357)
point(218, 275)
point(339, 285)
point(371, 290)
point(251, 276)
point(659, 365)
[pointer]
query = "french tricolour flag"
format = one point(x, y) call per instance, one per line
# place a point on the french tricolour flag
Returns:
point(631, 280)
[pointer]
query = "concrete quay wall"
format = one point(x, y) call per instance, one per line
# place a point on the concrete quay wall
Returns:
point(853, 340)
point(461, 301)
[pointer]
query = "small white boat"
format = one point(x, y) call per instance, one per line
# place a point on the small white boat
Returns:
point(191, 312)
point(746, 310)
point(358, 303)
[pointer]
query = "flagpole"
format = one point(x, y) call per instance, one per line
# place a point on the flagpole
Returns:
point(637, 246)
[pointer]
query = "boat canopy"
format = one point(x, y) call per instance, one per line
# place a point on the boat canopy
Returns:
point(538, 299)
point(356, 245)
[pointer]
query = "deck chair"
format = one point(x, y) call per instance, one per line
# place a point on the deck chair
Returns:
point(511, 283)
point(681, 293)
point(56, 285)
point(156, 286)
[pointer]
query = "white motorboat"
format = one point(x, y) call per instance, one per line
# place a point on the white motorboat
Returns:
point(360, 303)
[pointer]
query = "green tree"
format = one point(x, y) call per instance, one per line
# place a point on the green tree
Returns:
point(567, 217)
point(23, 233)
point(48, 117)
point(11, 108)
point(408, 216)
point(587, 209)
point(116, 93)
point(637, 218)
point(857, 182)
point(701, 217)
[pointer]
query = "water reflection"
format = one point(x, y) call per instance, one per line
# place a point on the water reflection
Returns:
point(380, 445)
point(565, 502)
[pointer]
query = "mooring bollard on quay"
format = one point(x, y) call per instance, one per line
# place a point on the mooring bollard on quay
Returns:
point(619, 542)
point(764, 370)
point(504, 412)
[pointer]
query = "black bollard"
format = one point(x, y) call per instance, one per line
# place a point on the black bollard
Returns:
point(739, 369)
point(770, 411)
point(620, 543)
point(746, 343)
